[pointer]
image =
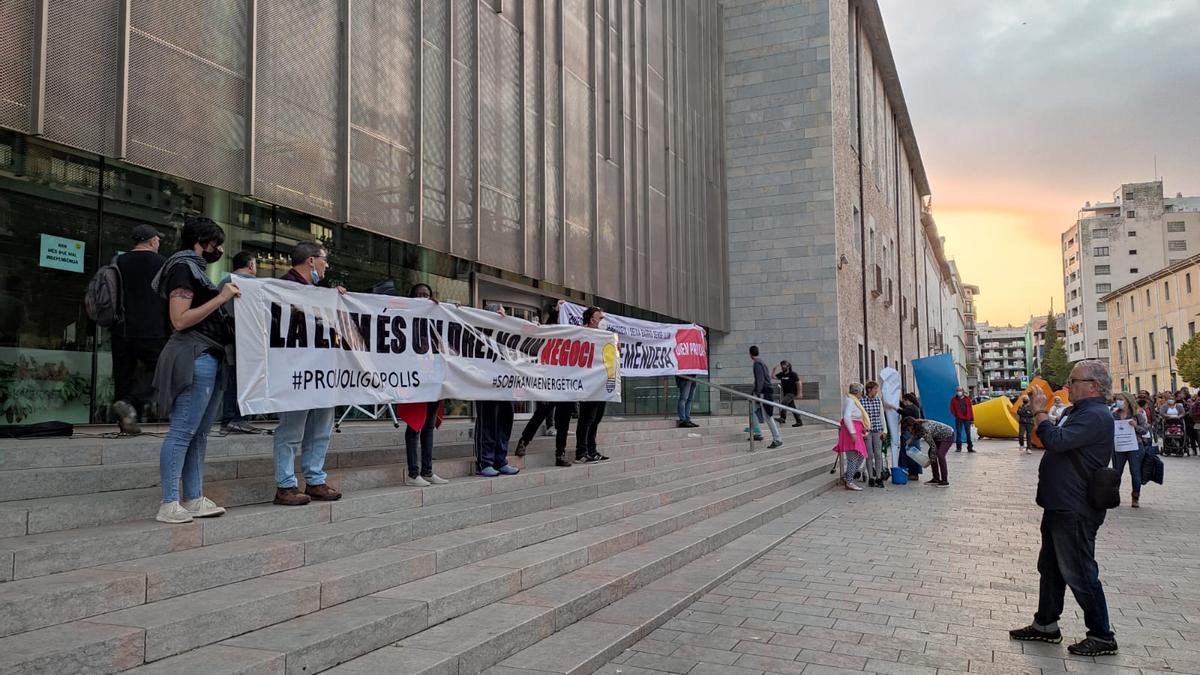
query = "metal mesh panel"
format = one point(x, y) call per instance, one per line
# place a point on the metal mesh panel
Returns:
point(296, 122)
point(81, 74)
point(435, 92)
point(464, 128)
point(16, 62)
point(553, 134)
point(383, 170)
point(500, 152)
point(534, 161)
point(580, 191)
point(187, 89)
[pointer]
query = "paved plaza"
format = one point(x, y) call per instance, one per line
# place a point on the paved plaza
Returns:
point(916, 579)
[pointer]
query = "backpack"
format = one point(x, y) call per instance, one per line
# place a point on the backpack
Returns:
point(103, 299)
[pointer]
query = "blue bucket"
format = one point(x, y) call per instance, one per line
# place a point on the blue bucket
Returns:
point(899, 476)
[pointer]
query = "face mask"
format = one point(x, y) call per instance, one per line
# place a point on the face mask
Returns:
point(316, 278)
point(211, 256)
point(1119, 405)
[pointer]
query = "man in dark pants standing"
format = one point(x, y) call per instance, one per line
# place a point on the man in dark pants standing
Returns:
point(142, 333)
point(1081, 443)
point(590, 412)
point(493, 427)
point(964, 417)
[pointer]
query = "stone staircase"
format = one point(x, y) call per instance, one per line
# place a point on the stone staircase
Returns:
point(554, 568)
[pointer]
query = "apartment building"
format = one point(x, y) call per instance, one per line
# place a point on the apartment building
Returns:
point(1148, 320)
point(1115, 243)
point(1002, 358)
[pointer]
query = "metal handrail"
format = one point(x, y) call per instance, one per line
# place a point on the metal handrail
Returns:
point(773, 404)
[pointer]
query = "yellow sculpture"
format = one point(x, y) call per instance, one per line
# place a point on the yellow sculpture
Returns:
point(997, 418)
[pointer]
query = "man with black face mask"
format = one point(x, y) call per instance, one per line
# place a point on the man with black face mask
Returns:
point(304, 432)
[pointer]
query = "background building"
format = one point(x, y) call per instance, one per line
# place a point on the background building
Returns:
point(1002, 358)
point(1114, 243)
point(509, 151)
point(1148, 320)
point(835, 262)
point(1035, 341)
point(971, 337)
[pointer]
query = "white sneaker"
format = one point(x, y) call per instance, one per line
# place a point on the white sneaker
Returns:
point(416, 481)
point(850, 485)
point(172, 512)
point(202, 507)
point(436, 479)
point(1028, 451)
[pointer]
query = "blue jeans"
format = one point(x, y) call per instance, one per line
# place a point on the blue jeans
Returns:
point(182, 454)
point(306, 431)
point(1068, 559)
point(1135, 467)
point(493, 427)
point(959, 427)
point(687, 389)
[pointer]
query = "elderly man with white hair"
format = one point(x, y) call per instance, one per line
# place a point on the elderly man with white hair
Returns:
point(1076, 447)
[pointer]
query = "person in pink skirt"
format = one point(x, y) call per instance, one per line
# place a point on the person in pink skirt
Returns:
point(851, 434)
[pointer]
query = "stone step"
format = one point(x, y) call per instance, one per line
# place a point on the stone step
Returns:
point(356, 437)
point(522, 625)
point(351, 628)
point(52, 514)
point(349, 467)
point(174, 574)
point(586, 645)
point(36, 555)
point(472, 595)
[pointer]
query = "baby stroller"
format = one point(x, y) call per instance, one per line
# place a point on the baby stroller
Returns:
point(1174, 435)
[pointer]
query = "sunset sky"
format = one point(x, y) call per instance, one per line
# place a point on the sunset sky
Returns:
point(1025, 109)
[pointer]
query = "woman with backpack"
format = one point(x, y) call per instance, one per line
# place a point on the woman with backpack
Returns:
point(189, 376)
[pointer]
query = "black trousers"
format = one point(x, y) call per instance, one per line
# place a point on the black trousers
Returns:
point(560, 412)
point(130, 385)
point(493, 426)
point(1068, 560)
point(590, 414)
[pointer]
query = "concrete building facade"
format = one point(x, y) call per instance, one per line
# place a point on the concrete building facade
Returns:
point(1114, 243)
point(519, 152)
point(835, 262)
point(1148, 320)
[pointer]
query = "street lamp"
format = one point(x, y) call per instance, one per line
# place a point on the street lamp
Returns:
point(1170, 361)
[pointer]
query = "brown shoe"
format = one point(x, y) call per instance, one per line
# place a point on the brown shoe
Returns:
point(322, 493)
point(291, 497)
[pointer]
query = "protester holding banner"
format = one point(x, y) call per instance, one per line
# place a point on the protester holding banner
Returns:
point(493, 428)
point(304, 431)
point(687, 389)
point(420, 472)
point(189, 375)
point(560, 413)
point(590, 412)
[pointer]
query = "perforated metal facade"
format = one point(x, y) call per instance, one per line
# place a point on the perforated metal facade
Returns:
point(577, 142)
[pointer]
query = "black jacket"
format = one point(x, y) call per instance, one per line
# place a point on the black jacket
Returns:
point(1085, 429)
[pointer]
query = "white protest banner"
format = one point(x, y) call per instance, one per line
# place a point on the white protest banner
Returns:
point(300, 347)
point(648, 348)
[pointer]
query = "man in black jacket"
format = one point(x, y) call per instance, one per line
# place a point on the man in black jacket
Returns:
point(1076, 447)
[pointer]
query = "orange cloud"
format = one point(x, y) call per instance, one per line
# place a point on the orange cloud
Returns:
point(1010, 253)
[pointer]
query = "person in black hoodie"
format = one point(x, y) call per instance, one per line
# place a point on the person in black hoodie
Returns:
point(1076, 447)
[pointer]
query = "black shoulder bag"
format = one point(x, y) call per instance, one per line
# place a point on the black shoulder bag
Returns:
point(1103, 484)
